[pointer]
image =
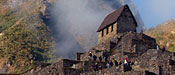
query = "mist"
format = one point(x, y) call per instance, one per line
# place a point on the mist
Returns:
point(78, 20)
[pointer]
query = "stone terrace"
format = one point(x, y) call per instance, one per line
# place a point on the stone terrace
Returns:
point(137, 47)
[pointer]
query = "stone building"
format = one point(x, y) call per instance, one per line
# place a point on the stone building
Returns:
point(118, 39)
point(119, 21)
point(118, 32)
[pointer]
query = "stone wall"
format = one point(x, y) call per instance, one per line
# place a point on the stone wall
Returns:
point(71, 71)
point(109, 43)
point(84, 57)
point(135, 43)
point(105, 35)
point(144, 43)
point(78, 56)
point(113, 71)
point(155, 61)
point(103, 46)
point(146, 59)
point(60, 68)
point(152, 62)
point(126, 22)
point(131, 43)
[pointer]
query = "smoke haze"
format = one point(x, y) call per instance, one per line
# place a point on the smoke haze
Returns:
point(78, 20)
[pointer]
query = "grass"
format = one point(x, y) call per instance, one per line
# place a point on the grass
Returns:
point(26, 40)
point(162, 34)
point(7, 20)
point(26, 44)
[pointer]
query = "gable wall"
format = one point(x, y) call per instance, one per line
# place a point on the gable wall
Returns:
point(126, 22)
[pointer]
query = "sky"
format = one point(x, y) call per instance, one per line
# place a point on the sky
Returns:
point(154, 12)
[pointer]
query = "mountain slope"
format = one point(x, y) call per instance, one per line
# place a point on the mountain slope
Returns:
point(164, 34)
point(25, 39)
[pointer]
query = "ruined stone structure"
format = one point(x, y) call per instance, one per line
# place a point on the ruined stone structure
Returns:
point(62, 67)
point(65, 67)
point(119, 21)
point(118, 39)
point(131, 43)
point(152, 62)
point(118, 33)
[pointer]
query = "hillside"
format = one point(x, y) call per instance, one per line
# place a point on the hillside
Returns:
point(25, 39)
point(164, 34)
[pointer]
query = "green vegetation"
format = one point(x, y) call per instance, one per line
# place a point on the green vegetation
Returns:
point(26, 44)
point(7, 20)
point(25, 40)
